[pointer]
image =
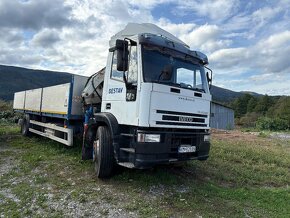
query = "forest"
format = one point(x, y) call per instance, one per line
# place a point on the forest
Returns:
point(263, 112)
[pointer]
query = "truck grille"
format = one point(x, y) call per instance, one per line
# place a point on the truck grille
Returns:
point(181, 119)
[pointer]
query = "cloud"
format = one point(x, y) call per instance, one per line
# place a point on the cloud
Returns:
point(265, 14)
point(277, 41)
point(148, 4)
point(34, 14)
point(46, 38)
point(97, 23)
point(201, 34)
point(270, 84)
point(25, 57)
point(12, 37)
point(270, 81)
point(179, 29)
point(229, 58)
point(215, 10)
point(206, 38)
point(273, 53)
point(269, 55)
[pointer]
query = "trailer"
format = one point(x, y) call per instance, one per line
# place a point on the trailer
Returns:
point(150, 104)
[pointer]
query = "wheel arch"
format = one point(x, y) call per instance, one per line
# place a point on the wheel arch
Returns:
point(107, 119)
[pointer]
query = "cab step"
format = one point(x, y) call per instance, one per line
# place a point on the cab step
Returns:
point(127, 164)
point(127, 135)
point(129, 150)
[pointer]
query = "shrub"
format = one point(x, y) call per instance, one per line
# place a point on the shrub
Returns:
point(274, 124)
point(249, 120)
point(5, 106)
point(6, 112)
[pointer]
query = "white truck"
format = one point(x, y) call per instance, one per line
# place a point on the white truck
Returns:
point(150, 104)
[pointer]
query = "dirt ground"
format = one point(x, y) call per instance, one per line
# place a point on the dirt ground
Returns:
point(238, 135)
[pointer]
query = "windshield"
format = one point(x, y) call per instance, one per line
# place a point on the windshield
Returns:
point(173, 68)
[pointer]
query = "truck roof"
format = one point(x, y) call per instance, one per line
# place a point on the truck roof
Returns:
point(142, 28)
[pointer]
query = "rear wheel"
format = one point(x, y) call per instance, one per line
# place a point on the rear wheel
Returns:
point(25, 125)
point(103, 153)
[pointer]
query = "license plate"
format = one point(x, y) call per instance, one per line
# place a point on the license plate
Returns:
point(186, 149)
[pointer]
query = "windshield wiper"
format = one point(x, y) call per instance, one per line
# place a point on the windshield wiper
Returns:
point(198, 89)
point(178, 85)
point(166, 83)
point(188, 86)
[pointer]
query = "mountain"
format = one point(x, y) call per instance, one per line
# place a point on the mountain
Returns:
point(251, 93)
point(15, 79)
point(225, 95)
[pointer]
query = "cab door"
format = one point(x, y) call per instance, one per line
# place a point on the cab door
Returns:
point(117, 98)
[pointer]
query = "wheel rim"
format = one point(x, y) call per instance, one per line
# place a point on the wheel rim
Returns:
point(96, 150)
point(24, 127)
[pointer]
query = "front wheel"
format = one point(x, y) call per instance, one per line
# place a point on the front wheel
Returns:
point(103, 153)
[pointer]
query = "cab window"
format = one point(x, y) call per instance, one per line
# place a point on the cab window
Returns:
point(132, 75)
point(115, 74)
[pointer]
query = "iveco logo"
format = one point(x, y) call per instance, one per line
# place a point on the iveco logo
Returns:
point(185, 119)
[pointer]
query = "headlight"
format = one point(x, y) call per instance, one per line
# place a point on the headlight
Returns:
point(206, 138)
point(142, 137)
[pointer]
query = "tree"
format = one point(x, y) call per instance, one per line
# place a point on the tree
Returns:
point(282, 109)
point(251, 104)
point(240, 105)
point(263, 104)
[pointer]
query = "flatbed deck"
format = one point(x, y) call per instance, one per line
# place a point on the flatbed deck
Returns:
point(60, 101)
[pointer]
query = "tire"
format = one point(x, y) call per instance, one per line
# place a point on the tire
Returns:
point(88, 141)
point(25, 126)
point(103, 153)
point(87, 153)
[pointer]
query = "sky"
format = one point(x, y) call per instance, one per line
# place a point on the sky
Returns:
point(247, 42)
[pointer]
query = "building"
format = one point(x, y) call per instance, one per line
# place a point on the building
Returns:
point(222, 117)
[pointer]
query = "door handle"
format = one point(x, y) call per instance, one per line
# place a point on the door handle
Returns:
point(108, 106)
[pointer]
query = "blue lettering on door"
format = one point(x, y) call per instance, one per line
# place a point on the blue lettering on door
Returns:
point(115, 90)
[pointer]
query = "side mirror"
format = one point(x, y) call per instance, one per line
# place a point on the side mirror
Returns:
point(209, 77)
point(122, 55)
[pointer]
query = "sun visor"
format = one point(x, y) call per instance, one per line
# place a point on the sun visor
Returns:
point(159, 41)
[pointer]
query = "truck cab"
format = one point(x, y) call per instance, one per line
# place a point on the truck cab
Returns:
point(150, 105)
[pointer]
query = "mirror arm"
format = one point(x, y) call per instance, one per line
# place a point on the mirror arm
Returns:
point(209, 79)
point(125, 80)
point(124, 54)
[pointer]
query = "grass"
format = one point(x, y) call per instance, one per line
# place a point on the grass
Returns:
point(8, 129)
point(242, 178)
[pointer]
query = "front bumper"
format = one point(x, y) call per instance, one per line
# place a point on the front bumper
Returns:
point(166, 151)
